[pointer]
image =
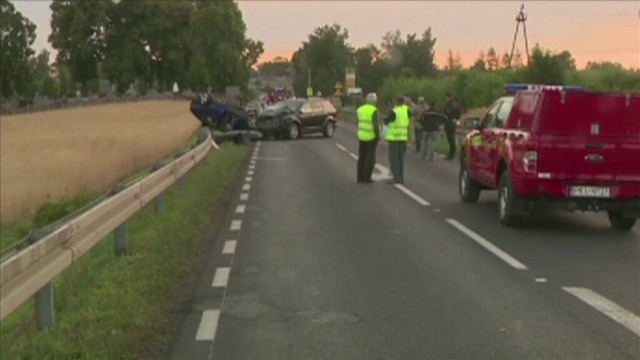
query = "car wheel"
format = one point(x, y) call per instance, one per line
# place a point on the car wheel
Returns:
point(294, 131)
point(620, 222)
point(507, 201)
point(468, 188)
point(329, 129)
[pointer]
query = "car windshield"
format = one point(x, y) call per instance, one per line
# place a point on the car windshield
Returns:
point(292, 104)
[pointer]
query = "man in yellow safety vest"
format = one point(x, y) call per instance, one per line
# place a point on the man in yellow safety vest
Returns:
point(398, 121)
point(368, 135)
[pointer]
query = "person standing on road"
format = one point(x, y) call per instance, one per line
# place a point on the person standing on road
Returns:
point(452, 112)
point(398, 121)
point(431, 121)
point(368, 135)
point(417, 113)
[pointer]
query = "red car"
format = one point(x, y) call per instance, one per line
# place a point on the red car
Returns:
point(557, 148)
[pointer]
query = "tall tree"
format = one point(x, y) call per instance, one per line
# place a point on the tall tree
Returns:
point(44, 81)
point(277, 67)
point(78, 34)
point(369, 75)
point(17, 35)
point(453, 62)
point(218, 32)
point(547, 67)
point(480, 64)
point(492, 60)
point(325, 55)
point(417, 53)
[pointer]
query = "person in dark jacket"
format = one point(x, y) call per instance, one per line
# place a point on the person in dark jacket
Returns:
point(431, 121)
point(452, 112)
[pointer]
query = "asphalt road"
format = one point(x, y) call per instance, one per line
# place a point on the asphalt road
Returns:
point(311, 265)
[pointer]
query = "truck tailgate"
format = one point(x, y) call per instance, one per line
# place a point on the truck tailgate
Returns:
point(591, 139)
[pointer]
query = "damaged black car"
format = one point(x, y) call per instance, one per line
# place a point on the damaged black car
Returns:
point(293, 117)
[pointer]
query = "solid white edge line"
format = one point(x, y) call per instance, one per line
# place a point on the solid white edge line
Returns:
point(612, 310)
point(221, 277)
point(208, 325)
point(341, 147)
point(240, 209)
point(229, 247)
point(246, 187)
point(412, 195)
point(235, 225)
point(244, 196)
point(487, 245)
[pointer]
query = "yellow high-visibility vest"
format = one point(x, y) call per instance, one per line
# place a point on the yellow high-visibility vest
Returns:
point(366, 122)
point(399, 129)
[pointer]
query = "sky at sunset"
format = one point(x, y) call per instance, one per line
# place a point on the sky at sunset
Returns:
point(590, 30)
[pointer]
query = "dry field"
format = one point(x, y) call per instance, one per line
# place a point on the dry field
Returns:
point(59, 154)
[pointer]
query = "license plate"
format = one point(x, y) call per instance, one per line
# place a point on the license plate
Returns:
point(590, 191)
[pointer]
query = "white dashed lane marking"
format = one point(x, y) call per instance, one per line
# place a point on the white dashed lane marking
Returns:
point(248, 179)
point(208, 325)
point(229, 247)
point(612, 310)
point(246, 187)
point(235, 225)
point(354, 156)
point(244, 196)
point(221, 277)
point(412, 195)
point(487, 245)
point(240, 209)
point(341, 147)
point(250, 172)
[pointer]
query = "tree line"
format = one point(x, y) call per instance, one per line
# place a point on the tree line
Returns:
point(198, 44)
point(405, 64)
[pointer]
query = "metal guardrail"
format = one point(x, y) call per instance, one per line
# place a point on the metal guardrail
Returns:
point(31, 270)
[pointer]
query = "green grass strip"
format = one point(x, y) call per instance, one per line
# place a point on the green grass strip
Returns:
point(110, 307)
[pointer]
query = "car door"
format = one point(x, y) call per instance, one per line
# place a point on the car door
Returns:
point(318, 113)
point(483, 146)
point(306, 115)
point(498, 135)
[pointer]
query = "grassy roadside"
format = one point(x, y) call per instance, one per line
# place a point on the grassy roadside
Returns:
point(110, 307)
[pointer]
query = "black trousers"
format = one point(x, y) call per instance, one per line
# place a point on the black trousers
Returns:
point(450, 132)
point(366, 159)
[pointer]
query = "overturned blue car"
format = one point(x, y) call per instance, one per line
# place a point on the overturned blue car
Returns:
point(227, 122)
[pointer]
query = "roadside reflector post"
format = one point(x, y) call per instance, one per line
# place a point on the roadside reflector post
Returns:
point(45, 313)
point(121, 239)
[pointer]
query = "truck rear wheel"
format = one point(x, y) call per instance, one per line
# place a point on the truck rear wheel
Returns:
point(468, 188)
point(507, 202)
point(620, 222)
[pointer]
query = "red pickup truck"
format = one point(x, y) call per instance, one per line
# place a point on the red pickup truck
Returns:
point(556, 148)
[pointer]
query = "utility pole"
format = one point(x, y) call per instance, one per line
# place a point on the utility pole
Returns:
point(520, 19)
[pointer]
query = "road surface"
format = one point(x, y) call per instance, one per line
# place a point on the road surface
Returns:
point(311, 265)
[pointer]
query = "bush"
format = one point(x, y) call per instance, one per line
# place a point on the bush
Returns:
point(480, 88)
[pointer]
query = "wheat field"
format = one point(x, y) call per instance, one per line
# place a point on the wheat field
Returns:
point(59, 154)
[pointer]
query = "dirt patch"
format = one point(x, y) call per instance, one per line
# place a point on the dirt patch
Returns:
point(58, 154)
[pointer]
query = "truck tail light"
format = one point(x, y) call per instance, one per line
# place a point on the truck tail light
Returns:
point(530, 161)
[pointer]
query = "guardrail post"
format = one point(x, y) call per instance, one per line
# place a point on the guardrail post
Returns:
point(121, 239)
point(45, 313)
point(159, 203)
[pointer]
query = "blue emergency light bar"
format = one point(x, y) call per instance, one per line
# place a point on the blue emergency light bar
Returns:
point(513, 88)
